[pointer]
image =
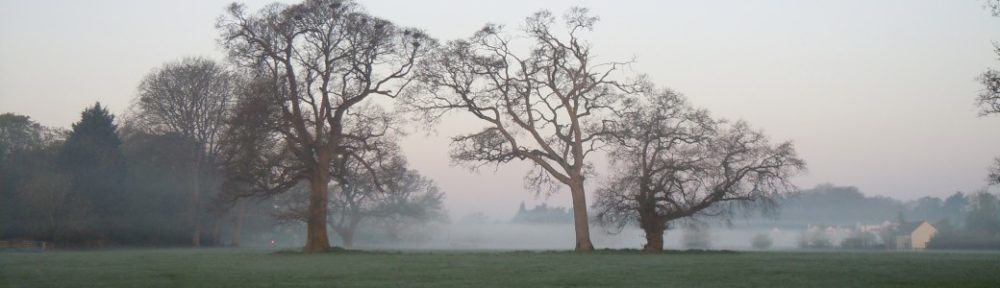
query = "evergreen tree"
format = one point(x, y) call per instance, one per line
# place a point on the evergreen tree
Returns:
point(93, 159)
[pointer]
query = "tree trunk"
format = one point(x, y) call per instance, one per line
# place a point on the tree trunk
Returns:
point(216, 231)
point(580, 220)
point(348, 237)
point(195, 200)
point(654, 234)
point(316, 236)
point(238, 214)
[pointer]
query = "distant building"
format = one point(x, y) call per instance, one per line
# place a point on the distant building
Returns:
point(914, 235)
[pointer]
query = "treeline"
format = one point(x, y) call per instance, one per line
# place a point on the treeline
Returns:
point(542, 214)
point(845, 205)
point(100, 184)
point(962, 221)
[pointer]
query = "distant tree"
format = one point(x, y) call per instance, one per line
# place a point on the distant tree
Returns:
point(542, 214)
point(840, 205)
point(38, 202)
point(761, 241)
point(408, 200)
point(19, 139)
point(250, 151)
point(382, 190)
point(953, 208)
point(191, 98)
point(984, 215)
point(548, 107)
point(92, 159)
point(158, 167)
point(929, 208)
point(696, 236)
point(675, 162)
point(323, 58)
point(18, 133)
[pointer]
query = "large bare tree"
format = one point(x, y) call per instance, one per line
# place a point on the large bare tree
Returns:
point(325, 57)
point(672, 162)
point(546, 106)
point(989, 98)
point(191, 97)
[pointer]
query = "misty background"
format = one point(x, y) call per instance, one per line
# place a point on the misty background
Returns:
point(875, 95)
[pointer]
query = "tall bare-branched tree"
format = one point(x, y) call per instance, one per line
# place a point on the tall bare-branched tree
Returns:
point(547, 106)
point(191, 97)
point(672, 162)
point(989, 98)
point(325, 57)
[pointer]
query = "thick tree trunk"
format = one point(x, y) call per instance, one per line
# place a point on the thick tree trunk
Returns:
point(238, 214)
point(654, 235)
point(316, 235)
point(580, 219)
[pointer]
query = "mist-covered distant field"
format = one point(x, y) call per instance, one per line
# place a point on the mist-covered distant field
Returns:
point(266, 268)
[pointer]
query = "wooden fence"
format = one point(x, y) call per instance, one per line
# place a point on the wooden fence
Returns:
point(26, 245)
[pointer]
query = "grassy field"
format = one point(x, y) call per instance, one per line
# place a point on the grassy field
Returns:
point(259, 268)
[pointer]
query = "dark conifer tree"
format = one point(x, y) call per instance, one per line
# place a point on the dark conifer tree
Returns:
point(93, 159)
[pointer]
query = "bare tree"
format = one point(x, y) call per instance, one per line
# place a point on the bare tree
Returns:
point(191, 97)
point(365, 180)
point(989, 98)
point(547, 107)
point(409, 199)
point(325, 56)
point(377, 187)
point(674, 162)
point(253, 161)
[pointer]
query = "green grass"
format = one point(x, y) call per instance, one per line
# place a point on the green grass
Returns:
point(258, 268)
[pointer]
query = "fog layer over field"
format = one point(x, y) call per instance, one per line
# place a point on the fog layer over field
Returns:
point(509, 236)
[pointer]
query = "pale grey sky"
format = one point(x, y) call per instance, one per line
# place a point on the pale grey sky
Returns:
point(875, 94)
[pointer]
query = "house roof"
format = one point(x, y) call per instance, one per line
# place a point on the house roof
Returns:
point(906, 228)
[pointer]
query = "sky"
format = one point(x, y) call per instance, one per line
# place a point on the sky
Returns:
point(874, 94)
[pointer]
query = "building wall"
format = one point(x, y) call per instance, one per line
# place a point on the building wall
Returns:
point(920, 236)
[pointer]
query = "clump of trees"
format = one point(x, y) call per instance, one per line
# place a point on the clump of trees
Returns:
point(981, 229)
point(542, 214)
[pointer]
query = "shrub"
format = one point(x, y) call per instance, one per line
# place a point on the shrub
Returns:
point(697, 238)
point(861, 240)
point(761, 241)
point(815, 239)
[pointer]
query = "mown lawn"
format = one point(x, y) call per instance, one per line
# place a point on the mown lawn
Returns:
point(259, 268)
